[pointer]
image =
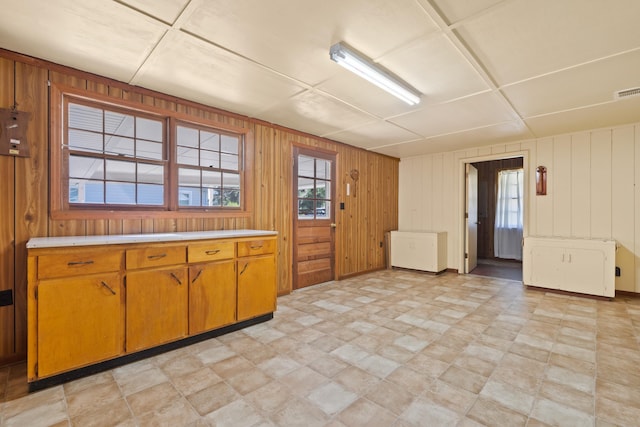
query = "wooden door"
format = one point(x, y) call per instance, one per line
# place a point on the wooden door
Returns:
point(212, 295)
point(313, 217)
point(80, 321)
point(157, 307)
point(471, 242)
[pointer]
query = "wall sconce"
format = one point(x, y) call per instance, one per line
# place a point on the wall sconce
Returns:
point(541, 181)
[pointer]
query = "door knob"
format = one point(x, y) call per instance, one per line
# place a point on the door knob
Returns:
point(333, 225)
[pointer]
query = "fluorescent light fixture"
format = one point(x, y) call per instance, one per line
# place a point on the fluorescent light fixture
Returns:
point(359, 64)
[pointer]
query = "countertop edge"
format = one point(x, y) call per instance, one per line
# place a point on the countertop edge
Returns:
point(51, 242)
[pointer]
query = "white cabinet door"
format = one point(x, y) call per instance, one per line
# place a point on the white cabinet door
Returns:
point(585, 271)
point(547, 269)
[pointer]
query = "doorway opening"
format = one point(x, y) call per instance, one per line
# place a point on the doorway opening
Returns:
point(495, 196)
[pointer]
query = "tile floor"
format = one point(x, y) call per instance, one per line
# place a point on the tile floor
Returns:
point(391, 348)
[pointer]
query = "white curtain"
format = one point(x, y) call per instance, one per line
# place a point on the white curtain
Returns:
point(507, 237)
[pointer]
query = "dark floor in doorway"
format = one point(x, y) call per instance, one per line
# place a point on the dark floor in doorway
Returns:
point(503, 269)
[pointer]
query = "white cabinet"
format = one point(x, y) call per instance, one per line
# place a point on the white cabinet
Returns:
point(419, 250)
point(584, 266)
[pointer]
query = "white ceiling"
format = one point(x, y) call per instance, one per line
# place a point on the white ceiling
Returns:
point(490, 70)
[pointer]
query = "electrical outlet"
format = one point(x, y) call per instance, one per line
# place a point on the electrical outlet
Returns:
point(6, 297)
point(618, 272)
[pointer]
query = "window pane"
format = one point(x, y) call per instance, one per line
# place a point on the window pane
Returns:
point(86, 167)
point(231, 189)
point(85, 141)
point(230, 144)
point(85, 191)
point(211, 179)
point(305, 208)
point(305, 188)
point(229, 161)
point(189, 196)
point(188, 156)
point(149, 129)
point(323, 189)
point(323, 169)
point(305, 166)
point(151, 174)
point(118, 124)
point(211, 197)
point(83, 117)
point(120, 171)
point(149, 150)
point(209, 159)
point(120, 193)
point(209, 141)
point(119, 145)
point(149, 194)
point(323, 209)
point(187, 137)
point(189, 177)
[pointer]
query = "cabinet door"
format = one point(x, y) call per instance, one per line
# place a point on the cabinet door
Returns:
point(80, 321)
point(547, 267)
point(212, 296)
point(585, 271)
point(157, 307)
point(256, 286)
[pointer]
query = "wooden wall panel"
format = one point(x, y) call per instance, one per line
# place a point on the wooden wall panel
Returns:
point(562, 186)
point(623, 205)
point(31, 183)
point(7, 215)
point(580, 185)
point(361, 226)
point(601, 184)
point(544, 204)
point(637, 205)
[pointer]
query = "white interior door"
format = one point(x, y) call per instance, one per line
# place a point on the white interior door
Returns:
point(471, 240)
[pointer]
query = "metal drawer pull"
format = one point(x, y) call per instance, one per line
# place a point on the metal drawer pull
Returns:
point(176, 279)
point(72, 263)
point(156, 256)
point(244, 268)
point(256, 247)
point(212, 252)
point(108, 287)
point(197, 275)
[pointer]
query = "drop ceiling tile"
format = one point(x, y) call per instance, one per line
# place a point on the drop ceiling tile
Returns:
point(294, 37)
point(608, 115)
point(190, 68)
point(457, 10)
point(373, 134)
point(456, 116)
point(432, 65)
point(503, 132)
point(165, 10)
point(101, 37)
point(528, 38)
point(315, 113)
point(590, 84)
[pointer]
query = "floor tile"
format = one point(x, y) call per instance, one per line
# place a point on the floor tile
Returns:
point(389, 348)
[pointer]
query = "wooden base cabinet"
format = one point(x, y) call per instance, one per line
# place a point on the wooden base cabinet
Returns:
point(212, 296)
point(80, 321)
point(157, 307)
point(118, 297)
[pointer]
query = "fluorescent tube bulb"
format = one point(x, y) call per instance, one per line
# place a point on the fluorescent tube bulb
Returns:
point(368, 70)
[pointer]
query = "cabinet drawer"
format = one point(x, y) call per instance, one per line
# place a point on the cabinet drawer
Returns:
point(75, 264)
point(156, 256)
point(211, 251)
point(256, 247)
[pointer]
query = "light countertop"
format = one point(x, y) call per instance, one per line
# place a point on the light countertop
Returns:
point(51, 242)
